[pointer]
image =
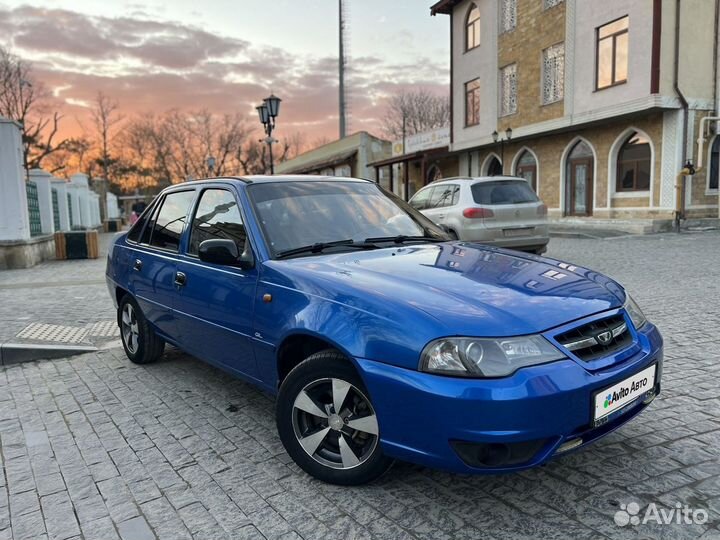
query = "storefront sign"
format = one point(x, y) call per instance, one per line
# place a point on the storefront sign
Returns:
point(436, 138)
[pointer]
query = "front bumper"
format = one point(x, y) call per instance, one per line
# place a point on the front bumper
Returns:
point(520, 421)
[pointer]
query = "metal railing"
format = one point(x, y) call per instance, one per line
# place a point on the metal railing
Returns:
point(70, 217)
point(56, 209)
point(33, 209)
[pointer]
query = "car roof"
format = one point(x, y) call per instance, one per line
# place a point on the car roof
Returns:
point(267, 179)
point(475, 179)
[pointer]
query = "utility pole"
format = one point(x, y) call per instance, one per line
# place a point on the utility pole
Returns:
point(341, 69)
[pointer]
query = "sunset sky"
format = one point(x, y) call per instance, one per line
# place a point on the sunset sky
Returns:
point(226, 55)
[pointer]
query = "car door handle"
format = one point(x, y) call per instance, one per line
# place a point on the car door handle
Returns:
point(138, 265)
point(180, 279)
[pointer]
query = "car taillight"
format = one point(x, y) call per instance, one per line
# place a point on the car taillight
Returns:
point(542, 210)
point(476, 213)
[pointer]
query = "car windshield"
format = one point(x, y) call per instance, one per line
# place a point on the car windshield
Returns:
point(503, 192)
point(298, 214)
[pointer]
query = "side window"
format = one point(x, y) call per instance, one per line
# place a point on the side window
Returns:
point(170, 220)
point(419, 201)
point(455, 196)
point(442, 196)
point(217, 216)
point(134, 233)
point(151, 217)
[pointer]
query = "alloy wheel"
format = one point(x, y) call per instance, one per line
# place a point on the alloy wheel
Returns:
point(130, 329)
point(335, 423)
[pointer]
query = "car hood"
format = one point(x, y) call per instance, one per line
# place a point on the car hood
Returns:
point(467, 288)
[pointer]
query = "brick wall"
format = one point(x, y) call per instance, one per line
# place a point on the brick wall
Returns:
point(536, 30)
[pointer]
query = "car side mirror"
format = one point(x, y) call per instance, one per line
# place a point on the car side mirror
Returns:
point(224, 251)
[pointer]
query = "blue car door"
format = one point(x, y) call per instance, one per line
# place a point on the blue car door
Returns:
point(152, 260)
point(215, 303)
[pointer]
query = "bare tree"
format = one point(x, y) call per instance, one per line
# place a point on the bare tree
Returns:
point(25, 100)
point(105, 117)
point(413, 112)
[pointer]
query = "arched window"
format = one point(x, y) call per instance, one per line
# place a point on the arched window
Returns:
point(634, 164)
point(494, 167)
point(433, 173)
point(579, 167)
point(527, 168)
point(472, 28)
point(714, 163)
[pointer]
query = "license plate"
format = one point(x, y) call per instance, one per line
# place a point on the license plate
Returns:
point(616, 397)
point(517, 232)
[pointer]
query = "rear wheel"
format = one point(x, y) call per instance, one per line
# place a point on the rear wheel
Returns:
point(139, 340)
point(327, 423)
point(453, 235)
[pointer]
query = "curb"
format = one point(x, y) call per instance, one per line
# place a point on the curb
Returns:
point(16, 353)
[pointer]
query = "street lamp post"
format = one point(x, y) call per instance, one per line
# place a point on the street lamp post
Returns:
point(496, 139)
point(267, 112)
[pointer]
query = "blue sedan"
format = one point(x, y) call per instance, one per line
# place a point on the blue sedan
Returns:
point(382, 338)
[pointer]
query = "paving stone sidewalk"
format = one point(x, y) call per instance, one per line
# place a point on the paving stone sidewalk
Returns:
point(96, 447)
point(70, 293)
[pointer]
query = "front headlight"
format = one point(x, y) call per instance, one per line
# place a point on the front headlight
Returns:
point(636, 315)
point(482, 357)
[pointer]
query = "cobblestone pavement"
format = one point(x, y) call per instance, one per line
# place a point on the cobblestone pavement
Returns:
point(69, 293)
point(94, 446)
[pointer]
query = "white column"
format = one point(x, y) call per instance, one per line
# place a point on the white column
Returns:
point(95, 209)
point(14, 216)
point(113, 210)
point(80, 181)
point(42, 180)
point(74, 191)
point(61, 186)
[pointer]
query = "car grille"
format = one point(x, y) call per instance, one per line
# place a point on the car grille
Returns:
point(598, 338)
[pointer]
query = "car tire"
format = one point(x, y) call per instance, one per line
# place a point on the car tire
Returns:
point(142, 345)
point(339, 447)
point(453, 235)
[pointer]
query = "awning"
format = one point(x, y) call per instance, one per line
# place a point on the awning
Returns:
point(434, 153)
point(337, 159)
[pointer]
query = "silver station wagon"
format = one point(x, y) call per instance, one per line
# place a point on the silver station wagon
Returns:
point(502, 211)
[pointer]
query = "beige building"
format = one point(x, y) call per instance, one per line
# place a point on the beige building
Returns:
point(349, 156)
point(603, 100)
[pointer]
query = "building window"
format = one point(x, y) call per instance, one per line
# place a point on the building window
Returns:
point(472, 102)
point(508, 90)
point(612, 53)
point(714, 164)
point(508, 15)
point(527, 168)
point(547, 4)
point(553, 73)
point(634, 164)
point(472, 28)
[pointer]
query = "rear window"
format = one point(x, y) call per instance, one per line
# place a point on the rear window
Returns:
point(503, 192)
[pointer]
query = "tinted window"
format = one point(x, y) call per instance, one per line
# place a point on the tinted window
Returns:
point(151, 217)
point(444, 195)
point(297, 214)
point(503, 192)
point(134, 234)
point(420, 200)
point(170, 220)
point(217, 216)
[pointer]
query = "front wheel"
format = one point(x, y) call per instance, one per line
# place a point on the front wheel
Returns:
point(327, 423)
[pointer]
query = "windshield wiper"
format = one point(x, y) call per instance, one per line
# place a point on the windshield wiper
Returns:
point(401, 239)
point(319, 247)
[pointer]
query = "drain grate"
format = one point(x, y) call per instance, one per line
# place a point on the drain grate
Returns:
point(104, 329)
point(53, 332)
